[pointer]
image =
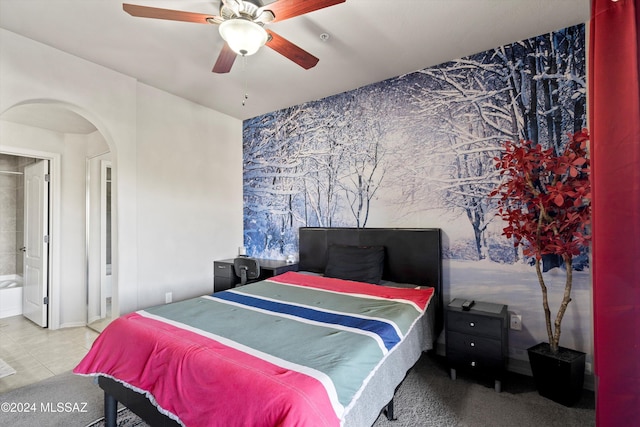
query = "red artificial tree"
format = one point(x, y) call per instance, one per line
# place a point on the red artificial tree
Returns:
point(545, 199)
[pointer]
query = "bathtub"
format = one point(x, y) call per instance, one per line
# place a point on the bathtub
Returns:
point(10, 296)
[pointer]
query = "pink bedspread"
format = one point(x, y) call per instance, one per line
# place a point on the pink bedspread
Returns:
point(197, 377)
point(200, 378)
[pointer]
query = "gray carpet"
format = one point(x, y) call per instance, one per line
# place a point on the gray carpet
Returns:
point(427, 397)
point(64, 400)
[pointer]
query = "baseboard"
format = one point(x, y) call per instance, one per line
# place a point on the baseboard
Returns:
point(72, 325)
point(10, 312)
point(519, 366)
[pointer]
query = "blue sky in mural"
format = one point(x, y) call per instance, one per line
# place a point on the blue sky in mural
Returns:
point(415, 150)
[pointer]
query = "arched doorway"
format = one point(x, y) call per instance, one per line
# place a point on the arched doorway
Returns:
point(62, 135)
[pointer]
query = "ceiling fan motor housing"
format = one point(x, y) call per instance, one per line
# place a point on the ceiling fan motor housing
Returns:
point(247, 9)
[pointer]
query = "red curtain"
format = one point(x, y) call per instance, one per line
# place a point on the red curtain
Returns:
point(614, 116)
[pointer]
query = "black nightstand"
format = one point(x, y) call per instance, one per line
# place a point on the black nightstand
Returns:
point(477, 340)
point(225, 278)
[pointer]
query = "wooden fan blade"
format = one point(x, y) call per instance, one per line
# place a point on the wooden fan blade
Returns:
point(289, 50)
point(225, 60)
point(171, 15)
point(285, 9)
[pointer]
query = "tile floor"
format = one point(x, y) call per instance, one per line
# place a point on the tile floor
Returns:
point(38, 353)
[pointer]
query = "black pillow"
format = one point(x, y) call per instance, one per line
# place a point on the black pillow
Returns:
point(358, 263)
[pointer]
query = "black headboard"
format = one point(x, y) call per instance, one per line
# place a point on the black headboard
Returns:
point(412, 255)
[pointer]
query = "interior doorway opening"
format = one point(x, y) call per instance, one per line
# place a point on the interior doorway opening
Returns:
point(57, 131)
point(99, 243)
point(24, 186)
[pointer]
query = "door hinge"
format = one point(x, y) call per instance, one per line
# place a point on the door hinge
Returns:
point(46, 238)
point(47, 177)
point(45, 301)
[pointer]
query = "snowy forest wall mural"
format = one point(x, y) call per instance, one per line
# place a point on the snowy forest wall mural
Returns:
point(417, 151)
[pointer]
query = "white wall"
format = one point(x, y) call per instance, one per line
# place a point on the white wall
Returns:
point(207, 142)
point(189, 195)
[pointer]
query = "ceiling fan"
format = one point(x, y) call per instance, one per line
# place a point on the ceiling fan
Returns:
point(241, 24)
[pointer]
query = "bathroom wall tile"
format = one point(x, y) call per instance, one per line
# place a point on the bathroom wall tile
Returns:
point(19, 253)
point(7, 264)
point(21, 162)
point(8, 180)
point(19, 219)
point(8, 198)
point(8, 242)
point(19, 260)
point(8, 162)
point(8, 222)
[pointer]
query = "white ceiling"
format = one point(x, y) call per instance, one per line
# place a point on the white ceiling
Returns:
point(370, 41)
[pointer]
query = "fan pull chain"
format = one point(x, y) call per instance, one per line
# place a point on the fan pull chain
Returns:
point(244, 75)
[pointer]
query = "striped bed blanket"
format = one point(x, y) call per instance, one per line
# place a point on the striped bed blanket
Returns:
point(295, 349)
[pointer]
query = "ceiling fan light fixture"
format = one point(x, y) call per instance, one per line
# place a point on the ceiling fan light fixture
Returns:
point(243, 36)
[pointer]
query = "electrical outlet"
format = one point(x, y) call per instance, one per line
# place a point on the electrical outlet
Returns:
point(168, 297)
point(516, 322)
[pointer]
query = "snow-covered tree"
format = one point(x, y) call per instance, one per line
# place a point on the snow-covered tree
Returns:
point(425, 139)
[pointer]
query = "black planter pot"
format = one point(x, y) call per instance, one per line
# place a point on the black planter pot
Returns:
point(560, 376)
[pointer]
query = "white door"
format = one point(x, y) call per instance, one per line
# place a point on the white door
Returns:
point(36, 239)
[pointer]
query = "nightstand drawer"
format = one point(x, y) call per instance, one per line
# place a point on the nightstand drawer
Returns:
point(474, 345)
point(474, 361)
point(474, 324)
point(223, 269)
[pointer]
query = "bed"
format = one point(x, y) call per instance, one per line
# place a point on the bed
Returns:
point(302, 348)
